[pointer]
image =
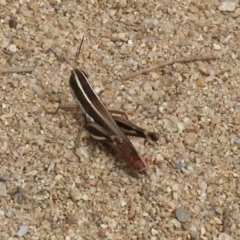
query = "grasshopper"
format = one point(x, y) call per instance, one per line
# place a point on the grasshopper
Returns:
point(104, 127)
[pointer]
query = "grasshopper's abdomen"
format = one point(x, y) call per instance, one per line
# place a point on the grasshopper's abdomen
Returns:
point(138, 166)
point(130, 156)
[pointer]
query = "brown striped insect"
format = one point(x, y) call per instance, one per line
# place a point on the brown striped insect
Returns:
point(104, 127)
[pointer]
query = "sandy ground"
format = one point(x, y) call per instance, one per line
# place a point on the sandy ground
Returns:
point(58, 183)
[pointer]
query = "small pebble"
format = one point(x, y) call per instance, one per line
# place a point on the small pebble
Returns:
point(75, 194)
point(236, 117)
point(51, 166)
point(178, 165)
point(12, 48)
point(190, 139)
point(150, 22)
point(147, 87)
point(203, 230)
point(132, 211)
point(123, 203)
point(33, 6)
point(176, 223)
point(104, 226)
point(216, 120)
point(237, 141)
point(217, 220)
point(85, 197)
point(156, 96)
point(93, 182)
point(47, 44)
point(201, 82)
point(224, 236)
point(154, 232)
point(54, 98)
point(83, 153)
point(172, 205)
point(22, 231)
point(58, 178)
point(12, 23)
point(216, 46)
point(228, 6)
point(194, 235)
point(181, 127)
point(183, 215)
point(39, 91)
point(9, 214)
point(71, 219)
point(102, 232)
point(237, 167)
point(3, 190)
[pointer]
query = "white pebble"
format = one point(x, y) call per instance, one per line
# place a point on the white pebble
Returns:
point(159, 157)
point(180, 126)
point(85, 197)
point(224, 236)
point(130, 42)
point(123, 203)
point(58, 178)
point(104, 226)
point(228, 6)
point(203, 231)
point(22, 231)
point(12, 48)
point(204, 187)
point(154, 232)
point(216, 46)
point(4, 105)
point(51, 166)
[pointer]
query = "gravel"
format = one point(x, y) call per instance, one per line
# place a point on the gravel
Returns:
point(58, 183)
